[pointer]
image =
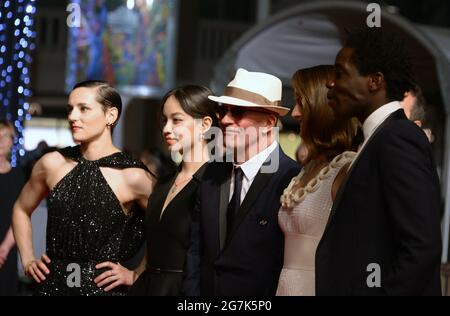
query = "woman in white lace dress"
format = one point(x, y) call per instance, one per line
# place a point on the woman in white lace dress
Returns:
point(307, 201)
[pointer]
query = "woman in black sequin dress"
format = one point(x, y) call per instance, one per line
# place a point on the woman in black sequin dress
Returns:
point(187, 115)
point(93, 192)
point(11, 182)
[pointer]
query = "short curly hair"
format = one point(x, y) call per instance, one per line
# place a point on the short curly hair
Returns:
point(375, 50)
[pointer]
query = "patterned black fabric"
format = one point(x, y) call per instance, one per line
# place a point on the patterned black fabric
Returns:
point(86, 225)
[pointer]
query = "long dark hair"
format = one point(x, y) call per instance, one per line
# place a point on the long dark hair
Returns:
point(194, 101)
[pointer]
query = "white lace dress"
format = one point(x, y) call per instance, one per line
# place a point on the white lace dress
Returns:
point(302, 217)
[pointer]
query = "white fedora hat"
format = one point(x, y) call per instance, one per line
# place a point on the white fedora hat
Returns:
point(253, 89)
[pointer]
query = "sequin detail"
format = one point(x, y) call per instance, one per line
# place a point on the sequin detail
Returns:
point(86, 225)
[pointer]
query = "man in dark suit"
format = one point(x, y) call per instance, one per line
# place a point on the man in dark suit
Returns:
point(237, 245)
point(383, 235)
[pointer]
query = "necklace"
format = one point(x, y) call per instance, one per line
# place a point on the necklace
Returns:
point(175, 184)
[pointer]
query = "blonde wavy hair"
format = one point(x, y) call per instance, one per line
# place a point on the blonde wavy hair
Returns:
point(321, 132)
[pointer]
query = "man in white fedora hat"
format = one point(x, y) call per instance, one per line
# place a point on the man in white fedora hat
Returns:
point(237, 245)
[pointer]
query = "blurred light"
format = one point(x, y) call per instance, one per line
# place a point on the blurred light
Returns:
point(16, 40)
point(130, 4)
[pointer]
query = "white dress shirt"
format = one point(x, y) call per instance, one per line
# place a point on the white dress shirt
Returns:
point(376, 118)
point(250, 169)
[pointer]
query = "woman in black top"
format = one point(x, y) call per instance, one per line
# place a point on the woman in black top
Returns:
point(187, 115)
point(92, 191)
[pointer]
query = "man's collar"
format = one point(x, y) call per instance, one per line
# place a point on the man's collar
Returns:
point(378, 116)
point(252, 166)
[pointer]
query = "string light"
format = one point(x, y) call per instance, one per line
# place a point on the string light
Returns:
point(16, 43)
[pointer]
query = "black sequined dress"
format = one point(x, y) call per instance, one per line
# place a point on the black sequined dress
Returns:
point(86, 225)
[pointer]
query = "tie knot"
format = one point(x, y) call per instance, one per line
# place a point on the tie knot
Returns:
point(238, 173)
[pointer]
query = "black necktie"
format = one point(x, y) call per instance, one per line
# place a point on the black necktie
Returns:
point(235, 202)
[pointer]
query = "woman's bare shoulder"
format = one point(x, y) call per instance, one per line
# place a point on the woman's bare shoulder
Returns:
point(51, 161)
point(137, 176)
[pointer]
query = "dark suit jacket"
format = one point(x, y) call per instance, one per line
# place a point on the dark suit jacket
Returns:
point(387, 213)
point(248, 261)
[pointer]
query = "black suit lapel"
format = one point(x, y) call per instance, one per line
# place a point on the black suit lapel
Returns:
point(223, 204)
point(253, 193)
point(399, 114)
point(257, 186)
